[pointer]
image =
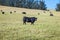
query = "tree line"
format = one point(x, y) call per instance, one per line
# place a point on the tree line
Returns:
point(58, 7)
point(31, 4)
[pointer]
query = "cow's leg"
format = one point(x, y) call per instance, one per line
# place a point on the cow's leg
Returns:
point(24, 22)
point(32, 23)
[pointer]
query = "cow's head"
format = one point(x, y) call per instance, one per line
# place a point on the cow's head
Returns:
point(35, 19)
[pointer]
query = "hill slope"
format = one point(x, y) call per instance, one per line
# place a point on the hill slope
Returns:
point(45, 28)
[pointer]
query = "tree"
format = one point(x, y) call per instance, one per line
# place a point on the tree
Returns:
point(29, 3)
point(58, 7)
point(35, 5)
point(0, 2)
point(42, 5)
point(22, 3)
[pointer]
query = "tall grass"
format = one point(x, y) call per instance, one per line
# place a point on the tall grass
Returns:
point(45, 28)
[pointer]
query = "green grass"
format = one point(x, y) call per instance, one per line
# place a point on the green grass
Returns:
point(45, 28)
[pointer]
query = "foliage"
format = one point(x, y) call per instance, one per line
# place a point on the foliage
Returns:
point(43, 5)
point(31, 4)
point(58, 7)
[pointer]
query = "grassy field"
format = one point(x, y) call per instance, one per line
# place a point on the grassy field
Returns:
point(45, 28)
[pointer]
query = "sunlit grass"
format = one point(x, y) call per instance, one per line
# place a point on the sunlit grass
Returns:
point(45, 28)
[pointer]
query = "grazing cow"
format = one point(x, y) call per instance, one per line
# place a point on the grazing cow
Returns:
point(14, 11)
point(11, 12)
point(3, 12)
point(29, 19)
point(23, 12)
point(38, 13)
point(44, 12)
point(51, 14)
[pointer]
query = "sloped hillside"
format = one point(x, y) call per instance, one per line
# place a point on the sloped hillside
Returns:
point(45, 28)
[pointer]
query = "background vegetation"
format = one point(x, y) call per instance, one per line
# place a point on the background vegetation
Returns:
point(31, 4)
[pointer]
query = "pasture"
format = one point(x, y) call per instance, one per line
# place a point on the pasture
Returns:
point(45, 28)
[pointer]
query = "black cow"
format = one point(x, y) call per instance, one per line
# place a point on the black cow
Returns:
point(38, 13)
point(14, 11)
point(3, 12)
point(51, 14)
point(23, 12)
point(10, 12)
point(29, 19)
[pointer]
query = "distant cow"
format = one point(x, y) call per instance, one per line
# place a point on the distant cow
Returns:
point(51, 14)
point(38, 13)
point(10, 12)
point(29, 19)
point(44, 12)
point(14, 11)
point(3, 12)
point(23, 12)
